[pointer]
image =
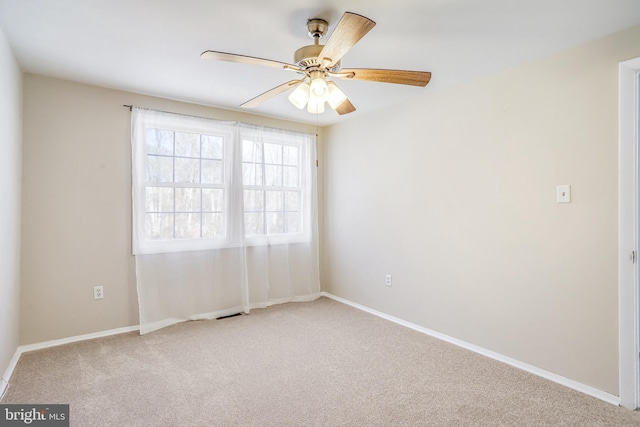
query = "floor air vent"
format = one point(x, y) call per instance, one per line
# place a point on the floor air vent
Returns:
point(226, 317)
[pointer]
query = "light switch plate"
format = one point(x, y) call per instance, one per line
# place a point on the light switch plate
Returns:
point(563, 193)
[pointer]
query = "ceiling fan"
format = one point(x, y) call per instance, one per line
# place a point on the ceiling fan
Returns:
point(318, 62)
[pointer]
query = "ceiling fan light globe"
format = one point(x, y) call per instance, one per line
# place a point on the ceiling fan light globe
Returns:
point(319, 89)
point(300, 96)
point(315, 106)
point(336, 96)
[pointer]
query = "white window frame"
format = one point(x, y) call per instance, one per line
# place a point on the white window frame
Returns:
point(305, 153)
point(233, 135)
point(165, 121)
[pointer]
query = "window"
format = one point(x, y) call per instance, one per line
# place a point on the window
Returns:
point(202, 184)
point(276, 176)
point(272, 188)
point(184, 185)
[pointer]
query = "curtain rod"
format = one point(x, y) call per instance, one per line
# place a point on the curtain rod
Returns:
point(130, 107)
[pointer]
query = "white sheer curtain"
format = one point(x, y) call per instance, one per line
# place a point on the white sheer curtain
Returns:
point(282, 255)
point(224, 217)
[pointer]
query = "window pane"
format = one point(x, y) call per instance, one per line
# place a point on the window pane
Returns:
point(158, 141)
point(212, 200)
point(187, 144)
point(292, 201)
point(159, 199)
point(251, 152)
point(275, 222)
point(158, 226)
point(253, 223)
point(212, 171)
point(213, 225)
point(273, 153)
point(187, 170)
point(188, 200)
point(273, 176)
point(275, 201)
point(158, 169)
point(212, 147)
point(251, 174)
point(253, 200)
point(187, 225)
point(294, 224)
point(290, 176)
point(290, 155)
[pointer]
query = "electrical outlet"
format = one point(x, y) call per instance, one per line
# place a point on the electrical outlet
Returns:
point(388, 280)
point(98, 292)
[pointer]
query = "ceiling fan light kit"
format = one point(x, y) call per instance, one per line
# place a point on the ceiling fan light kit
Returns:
point(300, 96)
point(318, 89)
point(315, 106)
point(317, 62)
point(336, 96)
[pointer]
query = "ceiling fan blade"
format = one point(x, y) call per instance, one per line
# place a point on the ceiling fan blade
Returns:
point(345, 107)
point(254, 102)
point(243, 59)
point(351, 28)
point(413, 78)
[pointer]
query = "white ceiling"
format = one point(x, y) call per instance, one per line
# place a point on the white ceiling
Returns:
point(153, 46)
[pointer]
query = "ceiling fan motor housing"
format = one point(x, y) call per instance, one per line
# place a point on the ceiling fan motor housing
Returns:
point(307, 57)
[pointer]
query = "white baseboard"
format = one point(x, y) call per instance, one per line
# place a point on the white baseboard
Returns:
point(575, 385)
point(4, 382)
point(62, 341)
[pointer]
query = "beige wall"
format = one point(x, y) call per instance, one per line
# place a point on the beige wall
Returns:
point(10, 189)
point(77, 205)
point(454, 195)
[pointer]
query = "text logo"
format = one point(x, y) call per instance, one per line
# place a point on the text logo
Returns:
point(34, 415)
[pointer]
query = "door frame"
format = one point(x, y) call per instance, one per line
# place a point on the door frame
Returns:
point(628, 233)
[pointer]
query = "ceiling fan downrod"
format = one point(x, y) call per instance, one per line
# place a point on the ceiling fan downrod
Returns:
point(307, 56)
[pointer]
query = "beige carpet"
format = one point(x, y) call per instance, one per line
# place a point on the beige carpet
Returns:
point(300, 364)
